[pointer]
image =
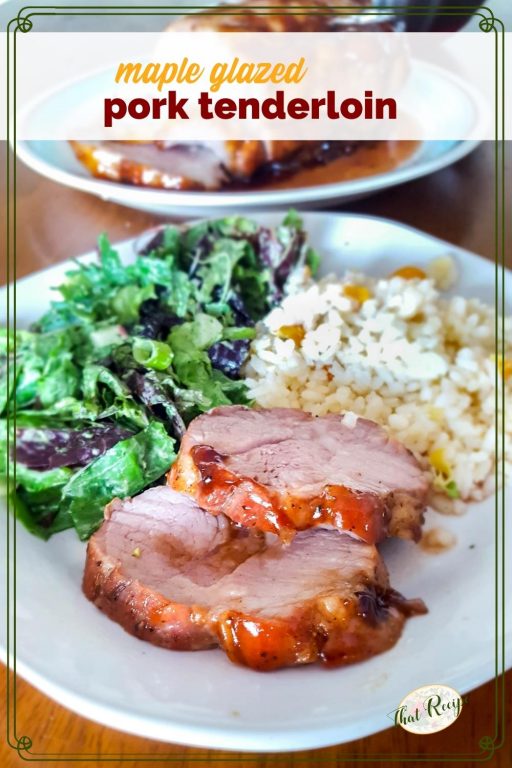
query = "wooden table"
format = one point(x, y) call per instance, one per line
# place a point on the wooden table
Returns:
point(54, 223)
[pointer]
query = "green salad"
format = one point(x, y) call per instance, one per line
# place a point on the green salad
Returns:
point(96, 396)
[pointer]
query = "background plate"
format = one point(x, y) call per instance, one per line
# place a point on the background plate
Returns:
point(55, 159)
point(73, 653)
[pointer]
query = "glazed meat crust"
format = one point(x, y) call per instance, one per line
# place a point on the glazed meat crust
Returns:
point(212, 165)
point(281, 471)
point(182, 579)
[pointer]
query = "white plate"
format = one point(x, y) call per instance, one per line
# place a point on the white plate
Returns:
point(55, 159)
point(73, 653)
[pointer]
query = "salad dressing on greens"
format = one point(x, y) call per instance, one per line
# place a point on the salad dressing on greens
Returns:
point(104, 385)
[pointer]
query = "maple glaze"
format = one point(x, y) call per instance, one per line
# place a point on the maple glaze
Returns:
point(369, 160)
point(255, 505)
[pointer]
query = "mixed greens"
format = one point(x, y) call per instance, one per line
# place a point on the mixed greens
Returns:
point(102, 387)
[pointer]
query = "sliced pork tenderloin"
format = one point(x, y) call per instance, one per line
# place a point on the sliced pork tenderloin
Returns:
point(282, 470)
point(205, 165)
point(174, 575)
point(144, 164)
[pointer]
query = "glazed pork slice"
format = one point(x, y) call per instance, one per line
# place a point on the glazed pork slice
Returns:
point(282, 470)
point(147, 164)
point(213, 165)
point(255, 18)
point(205, 165)
point(183, 579)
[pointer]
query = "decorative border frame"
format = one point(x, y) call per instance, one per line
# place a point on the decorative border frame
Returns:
point(23, 23)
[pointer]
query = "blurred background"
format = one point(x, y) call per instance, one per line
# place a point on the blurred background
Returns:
point(501, 8)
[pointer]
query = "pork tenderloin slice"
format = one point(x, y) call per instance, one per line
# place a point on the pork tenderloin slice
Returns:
point(253, 20)
point(170, 573)
point(182, 166)
point(282, 470)
point(205, 165)
point(212, 165)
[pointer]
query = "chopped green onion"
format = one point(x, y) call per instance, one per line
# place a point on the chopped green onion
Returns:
point(451, 490)
point(233, 334)
point(313, 260)
point(152, 354)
